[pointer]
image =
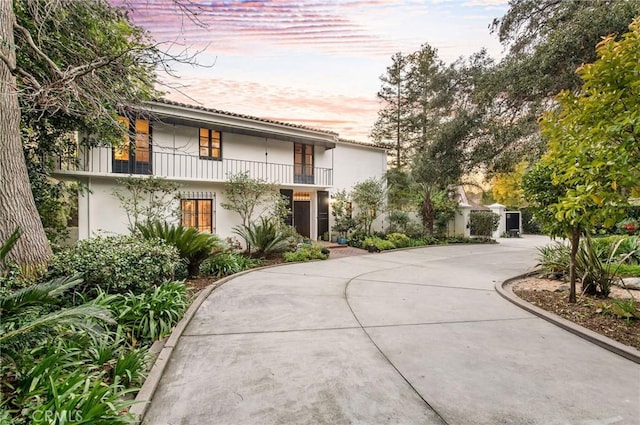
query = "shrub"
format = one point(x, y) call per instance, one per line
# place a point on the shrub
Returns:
point(554, 260)
point(400, 240)
point(193, 246)
point(378, 243)
point(483, 223)
point(150, 316)
point(226, 263)
point(264, 238)
point(306, 253)
point(117, 264)
point(529, 223)
point(357, 238)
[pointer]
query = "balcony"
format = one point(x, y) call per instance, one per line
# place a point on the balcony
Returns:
point(100, 161)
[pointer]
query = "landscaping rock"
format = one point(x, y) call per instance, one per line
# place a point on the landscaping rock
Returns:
point(631, 283)
point(562, 288)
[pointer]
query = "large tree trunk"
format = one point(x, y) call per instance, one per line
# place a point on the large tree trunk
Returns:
point(575, 242)
point(17, 207)
point(428, 213)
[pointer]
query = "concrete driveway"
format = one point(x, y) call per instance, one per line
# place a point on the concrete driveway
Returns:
point(407, 337)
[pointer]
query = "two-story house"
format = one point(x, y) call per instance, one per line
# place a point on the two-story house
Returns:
point(201, 148)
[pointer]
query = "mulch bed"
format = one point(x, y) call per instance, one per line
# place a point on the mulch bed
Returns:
point(589, 312)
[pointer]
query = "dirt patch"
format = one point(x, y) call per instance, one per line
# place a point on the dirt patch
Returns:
point(590, 312)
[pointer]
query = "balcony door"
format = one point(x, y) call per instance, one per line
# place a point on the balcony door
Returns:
point(134, 156)
point(302, 163)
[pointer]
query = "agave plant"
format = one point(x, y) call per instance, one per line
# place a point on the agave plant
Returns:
point(263, 238)
point(194, 246)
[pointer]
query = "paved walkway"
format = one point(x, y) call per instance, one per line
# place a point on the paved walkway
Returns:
point(405, 337)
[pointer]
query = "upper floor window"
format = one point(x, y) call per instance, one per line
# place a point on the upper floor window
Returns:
point(210, 144)
point(302, 163)
point(134, 155)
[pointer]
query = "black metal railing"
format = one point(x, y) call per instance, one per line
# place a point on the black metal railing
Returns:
point(191, 167)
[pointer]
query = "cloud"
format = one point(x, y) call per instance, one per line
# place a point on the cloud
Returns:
point(350, 116)
point(332, 26)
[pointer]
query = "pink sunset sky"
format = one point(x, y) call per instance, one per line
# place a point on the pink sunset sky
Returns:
point(315, 63)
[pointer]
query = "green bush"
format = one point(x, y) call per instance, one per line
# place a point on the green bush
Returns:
point(483, 223)
point(193, 246)
point(379, 243)
point(117, 264)
point(151, 315)
point(227, 263)
point(554, 259)
point(306, 253)
point(529, 223)
point(629, 270)
point(264, 238)
point(400, 240)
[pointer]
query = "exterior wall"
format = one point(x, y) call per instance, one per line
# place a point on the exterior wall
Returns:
point(353, 164)
point(100, 212)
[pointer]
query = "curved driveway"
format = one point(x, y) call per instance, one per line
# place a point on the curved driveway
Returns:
point(407, 337)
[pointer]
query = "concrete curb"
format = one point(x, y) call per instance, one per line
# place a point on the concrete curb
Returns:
point(506, 291)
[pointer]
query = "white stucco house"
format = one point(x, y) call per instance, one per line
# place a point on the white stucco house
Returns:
point(200, 147)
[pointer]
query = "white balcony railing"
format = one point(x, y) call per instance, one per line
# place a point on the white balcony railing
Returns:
point(191, 167)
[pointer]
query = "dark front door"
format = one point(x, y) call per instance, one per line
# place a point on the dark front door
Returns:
point(323, 212)
point(301, 217)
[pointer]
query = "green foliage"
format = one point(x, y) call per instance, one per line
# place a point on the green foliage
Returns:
point(7, 246)
point(548, 40)
point(483, 223)
point(400, 240)
point(398, 221)
point(554, 260)
point(264, 238)
point(306, 252)
point(628, 270)
point(147, 199)
point(57, 386)
point(151, 315)
point(599, 262)
point(529, 224)
point(193, 246)
point(227, 263)
point(627, 309)
point(250, 197)
point(31, 314)
point(342, 213)
point(369, 196)
point(378, 243)
point(117, 264)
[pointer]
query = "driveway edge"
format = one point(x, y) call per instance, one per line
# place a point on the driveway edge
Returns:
point(506, 291)
point(143, 398)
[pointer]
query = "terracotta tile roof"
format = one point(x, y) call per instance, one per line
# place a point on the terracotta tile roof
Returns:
point(369, 145)
point(232, 114)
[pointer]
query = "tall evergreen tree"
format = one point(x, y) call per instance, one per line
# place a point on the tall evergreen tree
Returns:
point(391, 127)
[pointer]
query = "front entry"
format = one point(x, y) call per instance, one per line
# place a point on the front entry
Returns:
point(301, 217)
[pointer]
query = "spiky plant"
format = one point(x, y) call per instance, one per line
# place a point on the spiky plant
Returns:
point(194, 246)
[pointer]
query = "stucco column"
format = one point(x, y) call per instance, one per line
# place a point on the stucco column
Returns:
point(502, 224)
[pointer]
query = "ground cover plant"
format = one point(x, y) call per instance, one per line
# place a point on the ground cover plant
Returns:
point(73, 353)
point(306, 252)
